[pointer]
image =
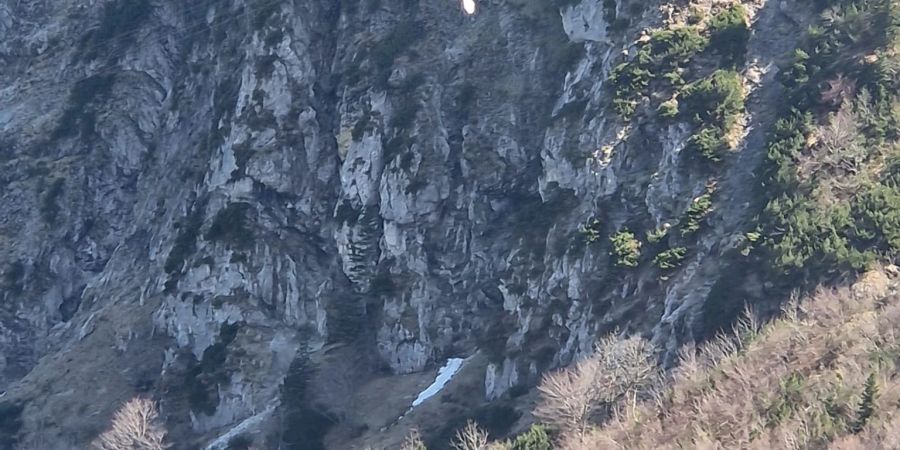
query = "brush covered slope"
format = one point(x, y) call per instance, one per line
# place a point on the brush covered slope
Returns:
point(822, 375)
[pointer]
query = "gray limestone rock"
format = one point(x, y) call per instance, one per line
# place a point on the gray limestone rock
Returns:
point(194, 193)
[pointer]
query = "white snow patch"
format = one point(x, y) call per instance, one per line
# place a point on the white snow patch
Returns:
point(444, 375)
point(469, 6)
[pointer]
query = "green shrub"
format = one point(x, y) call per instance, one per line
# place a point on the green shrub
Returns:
point(591, 230)
point(715, 104)
point(709, 143)
point(628, 80)
point(626, 249)
point(834, 221)
point(625, 108)
point(787, 141)
point(877, 213)
point(666, 51)
point(675, 79)
point(790, 397)
point(813, 236)
point(717, 100)
point(674, 47)
point(730, 33)
point(671, 258)
point(696, 212)
point(749, 241)
point(805, 235)
point(535, 438)
point(669, 108)
point(656, 235)
point(797, 73)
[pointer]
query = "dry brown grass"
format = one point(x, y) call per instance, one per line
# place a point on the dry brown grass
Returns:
point(135, 426)
point(796, 383)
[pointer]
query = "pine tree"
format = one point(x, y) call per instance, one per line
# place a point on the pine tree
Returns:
point(535, 438)
point(302, 426)
point(867, 404)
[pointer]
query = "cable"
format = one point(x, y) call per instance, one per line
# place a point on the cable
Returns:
point(194, 9)
point(186, 33)
point(190, 31)
point(134, 32)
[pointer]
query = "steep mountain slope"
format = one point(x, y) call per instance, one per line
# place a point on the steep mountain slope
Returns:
point(821, 376)
point(264, 213)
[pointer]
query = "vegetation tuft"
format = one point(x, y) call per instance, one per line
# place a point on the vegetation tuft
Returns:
point(626, 249)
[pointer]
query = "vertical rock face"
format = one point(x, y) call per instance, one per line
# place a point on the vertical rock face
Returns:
point(195, 193)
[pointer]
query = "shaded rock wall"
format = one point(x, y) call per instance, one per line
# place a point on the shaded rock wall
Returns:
point(221, 185)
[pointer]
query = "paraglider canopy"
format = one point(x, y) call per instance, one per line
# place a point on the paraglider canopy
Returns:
point(468, 6)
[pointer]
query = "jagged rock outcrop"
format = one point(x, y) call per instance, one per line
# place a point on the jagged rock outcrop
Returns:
point(196, 193)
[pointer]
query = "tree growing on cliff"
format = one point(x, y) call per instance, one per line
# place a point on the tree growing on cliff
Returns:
point(135, 426)
point(303, 425)
point(471, 437)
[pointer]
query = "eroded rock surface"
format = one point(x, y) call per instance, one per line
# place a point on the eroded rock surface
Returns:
point(195, 193)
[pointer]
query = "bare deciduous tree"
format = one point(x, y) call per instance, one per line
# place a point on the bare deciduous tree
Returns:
point(840, 139)
point(135, 426)
point(413, 441)
point(618, 370)
point(569, 396)
point(839, 90)
point(471, 437)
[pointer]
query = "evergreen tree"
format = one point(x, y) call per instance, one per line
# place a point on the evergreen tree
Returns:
point(535, 438)
point(867, 404)
point(302, 427)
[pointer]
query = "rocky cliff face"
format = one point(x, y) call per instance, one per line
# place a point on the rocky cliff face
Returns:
point(197, 195)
